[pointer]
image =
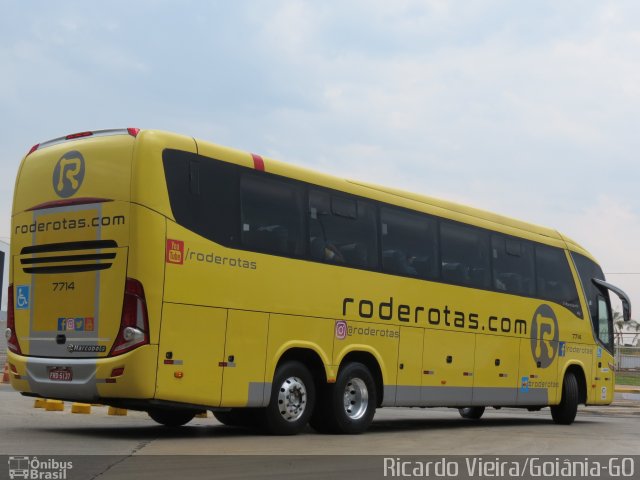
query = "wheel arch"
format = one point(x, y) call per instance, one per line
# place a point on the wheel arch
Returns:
point(308, 357)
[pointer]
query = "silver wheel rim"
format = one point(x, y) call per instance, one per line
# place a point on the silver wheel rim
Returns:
point(292, 399)
point(356, 398)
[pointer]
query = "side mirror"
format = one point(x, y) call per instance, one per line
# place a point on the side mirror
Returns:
point(624, 298)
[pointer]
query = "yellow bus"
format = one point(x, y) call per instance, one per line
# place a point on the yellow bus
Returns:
point(157, 272)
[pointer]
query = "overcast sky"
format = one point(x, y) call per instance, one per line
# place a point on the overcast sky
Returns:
point(529, 109)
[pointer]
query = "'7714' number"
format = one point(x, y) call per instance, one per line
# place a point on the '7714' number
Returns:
point(63, 286)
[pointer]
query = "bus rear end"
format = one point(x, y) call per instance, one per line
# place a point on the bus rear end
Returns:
point(77, 322)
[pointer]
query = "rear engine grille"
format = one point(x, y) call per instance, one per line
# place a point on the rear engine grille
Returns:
point(42, 262)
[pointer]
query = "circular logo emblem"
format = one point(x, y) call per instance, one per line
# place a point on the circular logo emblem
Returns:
point(341, 330)
point(68, 174)
point(544, 335)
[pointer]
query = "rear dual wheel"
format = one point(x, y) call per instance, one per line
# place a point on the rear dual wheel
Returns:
point(292, 400)
point(349, 404)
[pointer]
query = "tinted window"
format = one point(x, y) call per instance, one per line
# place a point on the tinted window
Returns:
point(604, 326)
point(203, 193)
point(465, 255)
point(513, 265)
point(409, 243)
point(587, 270)
point(272, 215)
point(553, 278)
point(342, 230)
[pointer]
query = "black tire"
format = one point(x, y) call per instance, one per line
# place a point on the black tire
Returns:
point(565, 412)
point(471, 413)
point(293, 395)
point(334, 414)
point(237, 417)
point(171, 417)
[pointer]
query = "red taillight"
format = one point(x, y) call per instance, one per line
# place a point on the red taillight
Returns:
point(78, 135)
point(133, 131)
point(134, 323)
point(12, 338)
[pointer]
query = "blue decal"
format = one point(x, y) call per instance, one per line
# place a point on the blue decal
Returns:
point(23, 297)
point(599, 352)
point(524, 385)
point(561, 347)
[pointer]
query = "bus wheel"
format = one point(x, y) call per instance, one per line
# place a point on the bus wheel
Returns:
point(292, 399)
point(471, 413)
point(237, 417)
point(349, 404)
point(565, 412)
point(171, 417)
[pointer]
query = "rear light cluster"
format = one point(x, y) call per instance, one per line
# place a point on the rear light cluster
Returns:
point(10, 332)
point(134, 323)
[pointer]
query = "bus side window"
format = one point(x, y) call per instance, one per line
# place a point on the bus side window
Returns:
point(604, 321)
point(271, 215)
point(203, 193)
point(513, 265)
point(553, 278)
point(342, 230)
point(409, 243)
point(464, 255)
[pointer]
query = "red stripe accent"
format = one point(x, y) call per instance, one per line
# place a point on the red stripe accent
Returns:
point(68, 202)
point(258, 162)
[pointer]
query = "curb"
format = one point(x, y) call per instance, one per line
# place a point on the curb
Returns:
point(627, 389)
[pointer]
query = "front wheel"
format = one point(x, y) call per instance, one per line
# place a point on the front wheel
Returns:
point(471, 413)
point(565, 412)
point(348, 405)
point(171, 417)
point(292, 399)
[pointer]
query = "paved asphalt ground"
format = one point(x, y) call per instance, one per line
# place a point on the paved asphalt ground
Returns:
point(133, 446)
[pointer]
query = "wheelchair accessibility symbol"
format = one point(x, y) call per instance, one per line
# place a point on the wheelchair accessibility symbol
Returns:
point(22, 297)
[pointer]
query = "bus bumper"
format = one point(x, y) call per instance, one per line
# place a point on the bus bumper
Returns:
point(131, 375)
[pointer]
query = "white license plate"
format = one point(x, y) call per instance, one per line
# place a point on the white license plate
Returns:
point(61, 374)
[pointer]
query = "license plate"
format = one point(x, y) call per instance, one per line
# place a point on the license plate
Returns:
point(61, 374)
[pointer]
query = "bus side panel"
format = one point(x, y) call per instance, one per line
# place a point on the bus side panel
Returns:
point(448, 364)
point(245, 355)
point(496, 370)
point(603, 385)
point(538, 385)
point(190, 351)
point(408, 392)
